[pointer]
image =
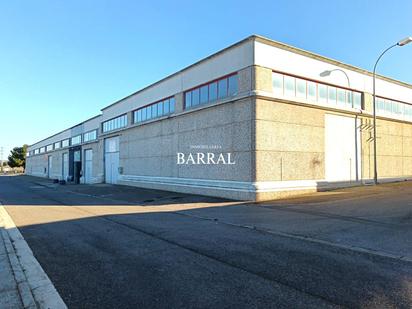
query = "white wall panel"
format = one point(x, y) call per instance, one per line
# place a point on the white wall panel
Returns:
point(286, 61)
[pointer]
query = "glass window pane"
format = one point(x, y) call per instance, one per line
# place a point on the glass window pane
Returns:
point(349, 98)
point(397, 108)
point(213, 92)
point(277, 83)
point(149, 112)
point(195, 97)
point(300, 88)
point(233, 85)
point(379, 105)
point(312, 91)
point(160, 109)
point(172, 105)
point(357, 100)
point(331, 95)
point(144, 114)
point(204, 94)
point(188, 99)
point(289, 86)
point(166, 107)
point(154, 110)
point(222, 88)
point(341, 97)
point(322, 93)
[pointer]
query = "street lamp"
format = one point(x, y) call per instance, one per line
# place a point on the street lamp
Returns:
point(328, 72)
point(400, 43)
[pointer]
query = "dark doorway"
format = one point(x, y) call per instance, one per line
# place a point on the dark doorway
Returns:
point(75, 164)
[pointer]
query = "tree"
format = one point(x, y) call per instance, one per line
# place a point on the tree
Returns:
point(17, 157)
point(4, 163)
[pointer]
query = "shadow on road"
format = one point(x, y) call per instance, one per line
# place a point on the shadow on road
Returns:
point(157, 249)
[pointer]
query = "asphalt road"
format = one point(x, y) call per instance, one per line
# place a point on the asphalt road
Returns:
point(118, 247)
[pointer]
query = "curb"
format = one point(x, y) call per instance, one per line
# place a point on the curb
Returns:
point(25, 293)
point(35, 288)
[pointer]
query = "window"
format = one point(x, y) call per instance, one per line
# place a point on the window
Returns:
point(115, 123)
point(195, 97)
point(277, 83)
point(65, 143)
point(349, 99)
point(166, 107)
point(148, 112)
point(36, 151)
point(331, 95)
point(160, 109)
point(204, 94)
point(386, 107)
point(313, 91)
point(76, 140)
point(220, 89)
point(154, 110)
point(357, 100)
point(90, 136)
point(188, 98)
point(300, 88)
point(57, 145)
point(289, 86)
point(232, 85)
point(213, 92)
point(323, 93)
point(172, 105)
point(49, 147)
point(341, 97)
point(42, 149)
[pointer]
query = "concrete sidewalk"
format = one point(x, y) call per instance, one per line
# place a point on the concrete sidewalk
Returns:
point(23, 282)
point(14, 288)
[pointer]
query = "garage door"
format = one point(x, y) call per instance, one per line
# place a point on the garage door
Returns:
point(111, 159)
point(88, 164)
point(342, 153)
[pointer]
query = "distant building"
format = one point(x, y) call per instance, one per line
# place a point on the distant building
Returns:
point(288, 129)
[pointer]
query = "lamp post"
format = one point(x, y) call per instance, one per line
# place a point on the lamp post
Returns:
point(400, 43)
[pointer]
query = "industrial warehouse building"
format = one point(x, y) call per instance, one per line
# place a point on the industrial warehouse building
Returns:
point(273, 124)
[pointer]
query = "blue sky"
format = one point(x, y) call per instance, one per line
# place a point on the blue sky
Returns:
point(62, 61)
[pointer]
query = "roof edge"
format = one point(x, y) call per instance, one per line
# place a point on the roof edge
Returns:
point(249, 38)
point(91, 118)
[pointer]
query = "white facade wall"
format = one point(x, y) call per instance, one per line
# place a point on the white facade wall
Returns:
point(306, 66)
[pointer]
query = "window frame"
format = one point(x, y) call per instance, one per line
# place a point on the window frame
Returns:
point(115, 123)
point(153, 106)
point(189, 92)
